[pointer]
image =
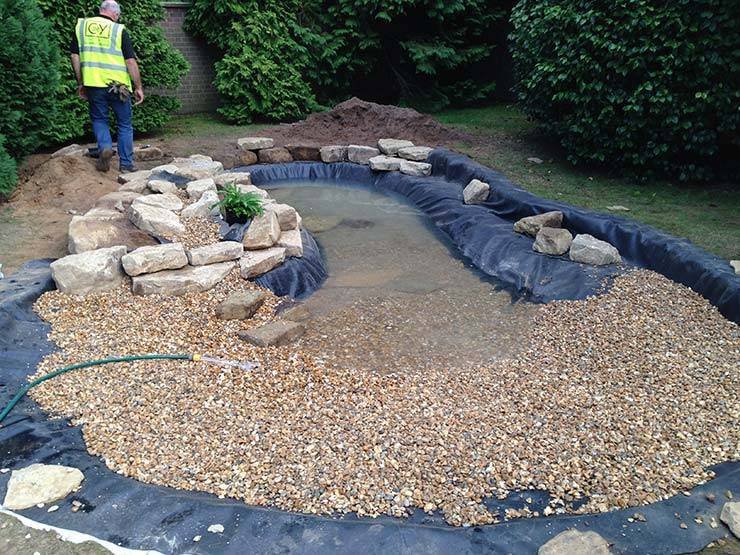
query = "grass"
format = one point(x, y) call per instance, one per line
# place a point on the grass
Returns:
point(203, 125)
point(708, 215)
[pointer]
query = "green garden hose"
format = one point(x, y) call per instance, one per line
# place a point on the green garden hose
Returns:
point(87, 364)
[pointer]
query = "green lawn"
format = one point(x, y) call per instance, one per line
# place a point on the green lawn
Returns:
point(708, 215)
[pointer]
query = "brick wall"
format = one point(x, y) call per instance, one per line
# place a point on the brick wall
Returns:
point(196, 92)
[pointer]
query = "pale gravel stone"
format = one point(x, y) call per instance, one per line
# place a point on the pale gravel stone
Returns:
point(89, 272)
point(162, 186)
point(195, 189)
point(191, 279)
point(531, 225)
point(361, 154)
point(145, 260)
point(384, 163)
point(292, 241)
point(222, 251)
point(416, 169)
point(168, 201)
point(256, 263)
point(255, 143)
point(590, 250)
point(573, 542)
point(476, 192)
point(134, 176)
point(333, 153)
point(286, 215)
point(263, 232)
point(552, 240)
point(415, 153)
point(156, 221)
point(40, 483)
point(237, 178)
point(392, 146)
point(203, 207)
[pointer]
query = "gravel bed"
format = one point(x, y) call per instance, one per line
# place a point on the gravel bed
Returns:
point(624, 398)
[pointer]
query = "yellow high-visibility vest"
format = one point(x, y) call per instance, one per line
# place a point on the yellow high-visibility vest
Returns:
point(101, 55)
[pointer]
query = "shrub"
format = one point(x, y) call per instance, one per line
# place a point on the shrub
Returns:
point(161, 65)
point(638, 85)
point(28, 75)
point(237, 205)
point(8, 176)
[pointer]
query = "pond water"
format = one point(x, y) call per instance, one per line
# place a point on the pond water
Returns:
point(397, 298)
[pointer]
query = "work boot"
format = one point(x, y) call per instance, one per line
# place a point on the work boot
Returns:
point(128, 169)
point(103, 163)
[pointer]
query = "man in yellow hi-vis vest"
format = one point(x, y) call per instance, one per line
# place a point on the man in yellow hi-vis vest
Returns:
point(104, 62)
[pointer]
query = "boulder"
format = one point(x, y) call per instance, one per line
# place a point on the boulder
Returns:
point(165, 168)
point(117, 200)
point(146, 260)
point(573, 542)
point(256, 263)
point(415, 153)
point(161, 186)
point(247, 157)
point(237, 178)
point(531, 225)
point(286, 215)
point(89, 233)
point(292, 242)
point(214, 253)
point(156, 221)
point(89, 272)
point(552, 240)
point(295, 312)
point(134, 176)
point(263, 232)
point(476, 192)
point(361, 154)
point(392, 146)
point(240, 306)
point(192, 159)
point(70, 150)
point(730, 515)
point(417, 169)
point(203, 208)
point(138, 186)
point(308, 153)
point(274, 334)
point(590, 250)
point(534, 160)
point(196, 189)
point(255, 143)
point(191, 279)
point(147, 153)
point(40, 483)
point(195, 168)
point(254, 190)
point(384, 163)
point(168, 201)
point(278, 155)
point(107, 214)
point(735, 265)
point(333, 153)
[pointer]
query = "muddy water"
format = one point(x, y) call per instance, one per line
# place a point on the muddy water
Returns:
point(397, 297)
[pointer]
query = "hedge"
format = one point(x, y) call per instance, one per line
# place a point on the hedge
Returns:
point(8, 175)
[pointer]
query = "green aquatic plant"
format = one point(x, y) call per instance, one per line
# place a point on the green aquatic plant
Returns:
point(235, 204)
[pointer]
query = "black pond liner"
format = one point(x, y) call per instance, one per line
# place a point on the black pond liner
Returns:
point(141, 516)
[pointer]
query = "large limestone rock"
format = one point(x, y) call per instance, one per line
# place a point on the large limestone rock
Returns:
point(304, 152)
point(237, 178)
point(147, 153)
point(164, 168)
point(256, 263)
point(274, 334)
point(278, 155)
point(203, 208)
point(292, 241)
point(156, 221)
point(222, 251)
point(573, 542)
point(197, 168)
point(107, 214)
point(552, 240)
point(333, 153)
point(392, 146)
point(89, 233)
point(168, 201)
point(384, 163)
point(117, 200)
point(145, 260)
point(161, 186)
point(138, 186)
point(476, 192)
point(134, 176)
point(70, 150)
point(735, 265)
point(286, 215)
point(254, 190)
point(89, 272)
point(417, 169)
point(191, 279)
point(247, 157)
point(40, 483)
point(590, 250)
point(415, 153)
point(361, 154)
point(195, 189)
point(730, 515)
point(531, 225)
point(255, 143)
point(263, 232)
point(240, 306)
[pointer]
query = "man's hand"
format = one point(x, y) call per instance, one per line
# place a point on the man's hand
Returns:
point(138, 96)
point(81, 92)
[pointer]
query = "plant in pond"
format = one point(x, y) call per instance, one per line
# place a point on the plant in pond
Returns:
point(237, 206)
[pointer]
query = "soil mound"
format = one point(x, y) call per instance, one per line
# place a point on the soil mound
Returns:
point(358, 121)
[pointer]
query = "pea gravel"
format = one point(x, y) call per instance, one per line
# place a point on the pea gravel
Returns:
point(624, 398)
